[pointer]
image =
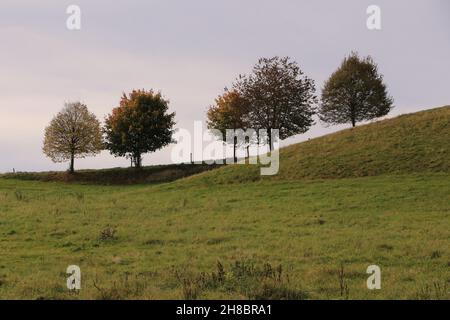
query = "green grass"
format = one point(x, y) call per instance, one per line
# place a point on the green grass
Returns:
point(412, 143)
point(167, 235)
point(378, 194)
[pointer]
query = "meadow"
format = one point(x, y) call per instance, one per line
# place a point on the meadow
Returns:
point(298, 240)
point(378, 194)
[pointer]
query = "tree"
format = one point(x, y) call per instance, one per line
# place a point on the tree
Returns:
point(229, 113)
point(355, 92)
point(140, 124)
point(73, 133)
point(280, 97)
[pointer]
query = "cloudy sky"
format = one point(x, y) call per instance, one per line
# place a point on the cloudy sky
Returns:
point(191, 50)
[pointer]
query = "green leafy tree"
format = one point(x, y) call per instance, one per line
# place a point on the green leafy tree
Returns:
point(355, 92)
point(73, 133)
point(229, 112)
point(280, 97)
point(140, 124)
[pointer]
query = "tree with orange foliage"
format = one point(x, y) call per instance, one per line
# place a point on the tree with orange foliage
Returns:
point(140, 124)
point(229, 113)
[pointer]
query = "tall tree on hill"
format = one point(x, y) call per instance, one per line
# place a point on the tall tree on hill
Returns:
point(140, 124)
point(280, 97)
point(73, 133)
point(229, 113)
point(355, 92)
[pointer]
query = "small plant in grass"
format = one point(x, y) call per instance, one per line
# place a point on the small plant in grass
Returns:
point(2, 280)
point(343, 286)
point(435, 254)
point(19, 195)
point(220, 275)
point(191, 284)
point(191, 289)
point(276, 290)
point(79, 196)
point(435, 291)
point(108, 234)
point(243, 278)
point(126, 286)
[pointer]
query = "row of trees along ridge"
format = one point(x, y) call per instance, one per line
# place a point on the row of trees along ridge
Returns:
point(275, 95)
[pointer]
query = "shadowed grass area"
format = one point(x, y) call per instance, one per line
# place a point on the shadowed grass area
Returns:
point(117, 176)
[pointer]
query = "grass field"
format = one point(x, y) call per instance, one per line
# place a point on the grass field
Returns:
point(166, 235)
point(226, 234)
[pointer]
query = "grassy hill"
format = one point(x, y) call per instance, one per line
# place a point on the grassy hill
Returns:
point(309, 233)
point(412, 143)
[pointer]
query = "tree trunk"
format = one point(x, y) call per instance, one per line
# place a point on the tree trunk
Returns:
point(269, 132)
point(72, 163)
point(257, 139)
point(353, 114)
point(137, 161)
point(234, 149)
point(257, 143)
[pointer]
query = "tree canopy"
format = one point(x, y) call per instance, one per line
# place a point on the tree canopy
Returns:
point(140, 124)
point(230, 112)
point(280, 97)
point(73, 133)
point(355, 92)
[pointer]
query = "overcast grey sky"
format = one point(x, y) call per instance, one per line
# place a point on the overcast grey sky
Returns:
point(191, 50)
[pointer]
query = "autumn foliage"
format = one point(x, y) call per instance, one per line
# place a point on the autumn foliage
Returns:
point(140, 124)
point(73, 133)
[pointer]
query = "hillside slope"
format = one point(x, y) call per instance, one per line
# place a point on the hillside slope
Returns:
point(412, 143)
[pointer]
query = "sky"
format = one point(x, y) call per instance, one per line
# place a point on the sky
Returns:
point(192, 50)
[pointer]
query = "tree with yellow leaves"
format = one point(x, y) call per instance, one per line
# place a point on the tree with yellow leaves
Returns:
point(73, 133)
